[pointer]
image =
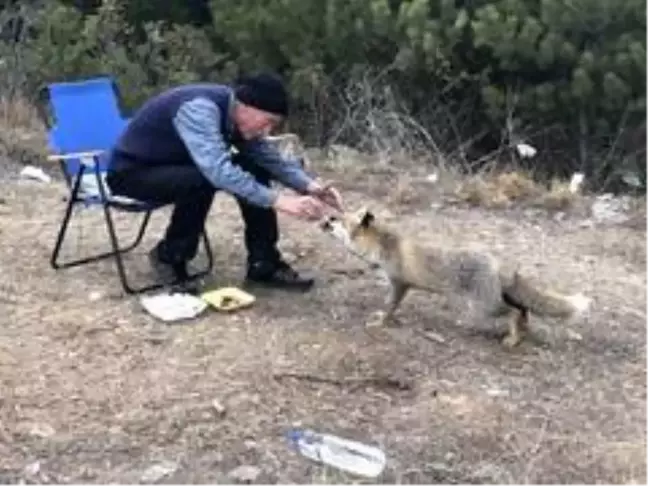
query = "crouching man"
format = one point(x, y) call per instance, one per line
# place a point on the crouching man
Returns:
point(177, 150)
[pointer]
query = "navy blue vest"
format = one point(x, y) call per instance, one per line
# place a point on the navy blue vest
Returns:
point(150, 136)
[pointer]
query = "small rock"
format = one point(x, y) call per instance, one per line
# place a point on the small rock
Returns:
point(244, 474)
point(42, 430)
point(94, 296)
point(157, 339)
point(573, 335)
point(250, 444)
point(219, 408)
point(435, 337)
point(587, 223)
point(158, 471)
point(87, 473)
point(441, 467)
point(33, 469)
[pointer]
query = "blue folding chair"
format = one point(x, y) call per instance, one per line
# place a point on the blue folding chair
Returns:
point(84, 123)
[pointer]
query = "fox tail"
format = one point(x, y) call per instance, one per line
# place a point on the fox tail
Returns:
point(524, 294)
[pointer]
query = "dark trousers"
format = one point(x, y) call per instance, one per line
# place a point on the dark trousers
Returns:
point(191, 194)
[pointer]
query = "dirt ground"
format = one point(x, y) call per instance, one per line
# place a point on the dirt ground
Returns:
point(92, 389)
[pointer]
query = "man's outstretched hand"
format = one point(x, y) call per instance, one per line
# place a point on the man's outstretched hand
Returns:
point(303, 207)
point(326, 193)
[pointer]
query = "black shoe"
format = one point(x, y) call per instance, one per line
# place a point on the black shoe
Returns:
point(277, 275)
point(175, 274)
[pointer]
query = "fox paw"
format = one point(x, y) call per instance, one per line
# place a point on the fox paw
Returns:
point(376, 319)
point(381, 319)
point(511, 340)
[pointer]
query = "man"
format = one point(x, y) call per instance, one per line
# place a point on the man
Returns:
point(177, 150)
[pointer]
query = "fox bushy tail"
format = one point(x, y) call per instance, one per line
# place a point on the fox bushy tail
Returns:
point(544, 302)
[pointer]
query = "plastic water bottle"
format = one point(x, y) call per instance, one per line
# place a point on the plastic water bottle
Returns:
point(346, 455)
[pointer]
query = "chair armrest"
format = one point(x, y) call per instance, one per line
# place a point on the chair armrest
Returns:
point(75, 155)
point(89, 159)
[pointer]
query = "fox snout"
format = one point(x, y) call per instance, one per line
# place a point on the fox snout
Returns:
point(327, 225)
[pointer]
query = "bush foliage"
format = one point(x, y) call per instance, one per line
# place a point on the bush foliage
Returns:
point(473, 75)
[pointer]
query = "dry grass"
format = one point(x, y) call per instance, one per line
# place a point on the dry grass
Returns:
point(94, 390)
point(559, 197)
point(22, 136)
point(506, 189)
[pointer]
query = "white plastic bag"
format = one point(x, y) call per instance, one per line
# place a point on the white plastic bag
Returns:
point(171, 307)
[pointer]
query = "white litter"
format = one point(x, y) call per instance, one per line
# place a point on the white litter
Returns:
point(157, 472)
point(526, 151)
point(347, 455)
point(576, 182)
point(175, 306)
point(35, 173)
point(632, 179)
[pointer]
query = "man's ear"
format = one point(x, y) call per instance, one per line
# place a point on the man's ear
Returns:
point(367, 218)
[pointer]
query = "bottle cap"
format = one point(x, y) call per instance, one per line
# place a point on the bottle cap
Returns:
point(293, 435)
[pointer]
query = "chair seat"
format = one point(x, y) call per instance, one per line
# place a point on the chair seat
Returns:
point(90, 194)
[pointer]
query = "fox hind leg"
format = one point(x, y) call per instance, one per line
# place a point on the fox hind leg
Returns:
point(386, 317)
point(518, 325)
point(517, 329)
point(396, 295)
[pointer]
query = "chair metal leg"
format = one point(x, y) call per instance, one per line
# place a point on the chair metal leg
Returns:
point(120, 263)
point(117, 252)
point(80, 261)
point(74, 199)
point(66, 220)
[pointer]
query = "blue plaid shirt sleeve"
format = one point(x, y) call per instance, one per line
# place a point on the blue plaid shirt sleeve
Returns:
point(198, 123)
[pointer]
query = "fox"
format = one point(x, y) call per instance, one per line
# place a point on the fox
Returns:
point(410, 263)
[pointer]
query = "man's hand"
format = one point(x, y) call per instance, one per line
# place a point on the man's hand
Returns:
point(304, 207)
point(326, 193)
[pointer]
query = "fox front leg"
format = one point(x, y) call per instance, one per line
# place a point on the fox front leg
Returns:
point(385, 317)
point(518, 328)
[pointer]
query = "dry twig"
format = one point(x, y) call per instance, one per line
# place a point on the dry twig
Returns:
point(353, 382)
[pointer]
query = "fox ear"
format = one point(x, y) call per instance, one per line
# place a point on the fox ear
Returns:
point(367, 218)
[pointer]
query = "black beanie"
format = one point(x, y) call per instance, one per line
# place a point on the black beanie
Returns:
point(265, 91)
